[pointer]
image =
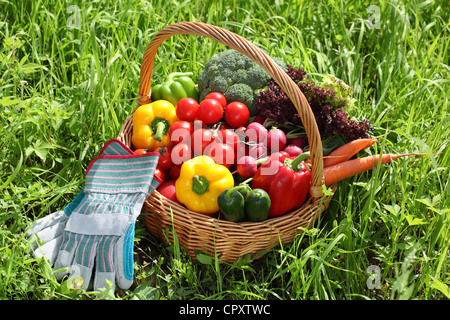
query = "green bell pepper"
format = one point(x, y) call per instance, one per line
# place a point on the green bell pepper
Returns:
point(257, 205)
point(177, 86)
point(241, 201)
point(232, 205)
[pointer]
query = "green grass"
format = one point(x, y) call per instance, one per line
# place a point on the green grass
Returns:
point(65, 91)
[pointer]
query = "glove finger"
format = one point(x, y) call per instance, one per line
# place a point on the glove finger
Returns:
point(104, 263)
point(46, 222)
point(81, 269)
point(66, 253)
point(124, 260)
point(48, 234)
point(49, 250)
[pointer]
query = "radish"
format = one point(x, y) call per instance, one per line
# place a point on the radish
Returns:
point(275, 140)
point(300, 141)
point(293, 150)
point(241, 151)
point(247, 166)
point(259, 118)
point(257, 151)
point(256, 132)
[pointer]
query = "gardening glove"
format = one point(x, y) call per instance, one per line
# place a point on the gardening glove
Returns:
point(46, 233)
point(100, 229)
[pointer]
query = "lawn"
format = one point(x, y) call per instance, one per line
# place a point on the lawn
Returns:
point(69, 77)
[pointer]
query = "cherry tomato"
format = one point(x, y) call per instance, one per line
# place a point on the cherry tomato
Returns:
point(200, 139)
point(187, 109)
point(221, 153)
point(174, 171)
point(228, 136)
point(180, 153)
point(167, 189)
point(140, 151)
point(165, 159)
point(236, 114)
point(160, 174)
point(198, 124)
point(217, 96)
point(210, 111)
point(180, 131)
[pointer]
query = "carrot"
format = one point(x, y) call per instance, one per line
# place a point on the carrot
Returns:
point(353, 167)
point(347, 151)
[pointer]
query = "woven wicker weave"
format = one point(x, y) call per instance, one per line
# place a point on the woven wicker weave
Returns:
point(198, 232)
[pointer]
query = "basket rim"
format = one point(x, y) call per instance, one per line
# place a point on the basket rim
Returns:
point(244, 224)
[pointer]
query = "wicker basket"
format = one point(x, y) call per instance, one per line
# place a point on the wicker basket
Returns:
point(201, 233)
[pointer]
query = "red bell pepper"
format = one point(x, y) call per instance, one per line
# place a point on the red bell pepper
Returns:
point(286, 179)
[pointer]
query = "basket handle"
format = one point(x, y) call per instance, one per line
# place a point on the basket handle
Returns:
point(245, 47)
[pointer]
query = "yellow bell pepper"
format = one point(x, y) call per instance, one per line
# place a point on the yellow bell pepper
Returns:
point(200, 183)
point(151, 123)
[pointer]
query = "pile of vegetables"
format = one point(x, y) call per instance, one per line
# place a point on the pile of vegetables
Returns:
point(235, 146)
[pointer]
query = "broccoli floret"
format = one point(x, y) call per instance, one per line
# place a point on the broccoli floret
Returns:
point(218, 84)
point(240, 92)
point(236, 76)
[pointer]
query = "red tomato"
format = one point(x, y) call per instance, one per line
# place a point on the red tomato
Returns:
point(140, 151)
point(221, 153)
point(167, 189)
point(218, 96)
point(228, 136)
point(165, 159)
point(236, 114)
point(200, 139)
point(180, 131)
point(198, 124)
point(160, 174)
point(210, 111)
point(175, 171)
point(187, 109)
point(180, 153)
